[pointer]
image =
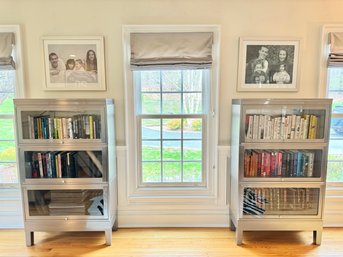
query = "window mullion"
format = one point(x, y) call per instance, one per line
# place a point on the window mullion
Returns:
point(161, 147)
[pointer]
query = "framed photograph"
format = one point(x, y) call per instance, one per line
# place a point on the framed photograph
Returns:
point(74, 63)
point(268, 64)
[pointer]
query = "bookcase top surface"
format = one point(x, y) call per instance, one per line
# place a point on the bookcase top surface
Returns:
point(64, 101)
point(278, 101)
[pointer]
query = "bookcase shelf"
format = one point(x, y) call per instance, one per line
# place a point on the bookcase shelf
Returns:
point(66, 157)
point(279, 152)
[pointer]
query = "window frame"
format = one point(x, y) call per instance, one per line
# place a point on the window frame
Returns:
point(19, 85)
point(323, 89)
point(204, 116)
point(134, 192)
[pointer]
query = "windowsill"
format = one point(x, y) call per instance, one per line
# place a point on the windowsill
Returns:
point(333, 185)
point(9, 186)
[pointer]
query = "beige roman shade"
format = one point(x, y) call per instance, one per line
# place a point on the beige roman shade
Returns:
point(336, 49)
point(6, 46)
point(171, 50)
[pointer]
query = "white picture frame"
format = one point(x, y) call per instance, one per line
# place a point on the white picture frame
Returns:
point(268, 64)
point(74, 63)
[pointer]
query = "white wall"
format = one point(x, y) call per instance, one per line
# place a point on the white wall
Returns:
point(269, 18)
point(262, 18)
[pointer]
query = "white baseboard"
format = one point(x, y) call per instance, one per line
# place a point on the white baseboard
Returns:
point(133, 219)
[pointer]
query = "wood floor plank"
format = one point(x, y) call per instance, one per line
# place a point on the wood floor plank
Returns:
point(172, 242)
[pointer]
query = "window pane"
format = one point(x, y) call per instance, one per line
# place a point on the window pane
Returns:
point(335, 76)
point(151, 103)
point(6, 129)
point(7, 151)
point(335, 157)
point(171, 129)
point(151, 151)
point(171, 172)
point(192, 80)
point(8, 173)
point(192, 172)
point(192, 150)
point(192, 128)
point(7, 81)
point(171, 103)
point(150, 81)
point(336, 131)
point(151, 128)
point(171, 80)
point(171, 151)
point(6, 103)
point(335, 171)
point(192, 103)
point(151, 172)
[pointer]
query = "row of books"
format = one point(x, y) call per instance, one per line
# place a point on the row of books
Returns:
point(66, 202)
point(259, 200)
point(285, 163)
point(78, 126)
point(281, 127)
point(67, 164)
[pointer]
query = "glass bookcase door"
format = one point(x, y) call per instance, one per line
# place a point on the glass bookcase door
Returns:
point(64, 164)
point(283, 123)
point(64, 202)
point(61, 125)
point(282, 163)
point(280, 201)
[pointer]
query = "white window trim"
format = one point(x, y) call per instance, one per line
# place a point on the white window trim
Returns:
point(323, 77)
point(204, 117)
point(136, 194)
point(20, 93)
point(19, 74)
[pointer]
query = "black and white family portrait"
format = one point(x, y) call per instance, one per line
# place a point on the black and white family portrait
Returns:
point(269, 64)
point(71, 64)
point(74, 63)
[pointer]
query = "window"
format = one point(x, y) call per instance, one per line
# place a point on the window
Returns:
point(333, 55)
point(335, 157)
point(171, 80)
point(8, 167)
point(10, 82)
point(171, 117)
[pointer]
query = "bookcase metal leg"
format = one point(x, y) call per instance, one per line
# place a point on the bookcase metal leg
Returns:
point(239, 236)
point(317, 237)
point(232, 226)
point(108, 236)
point(29, 236)
point(115, 225)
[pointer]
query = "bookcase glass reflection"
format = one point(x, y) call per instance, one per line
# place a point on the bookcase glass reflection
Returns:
point(280, 201)
point(66, 202)
point(284, 123)
point(66, 153)
point(304, 163)
point(63, 164)
point(61, 125)
point(278, 164)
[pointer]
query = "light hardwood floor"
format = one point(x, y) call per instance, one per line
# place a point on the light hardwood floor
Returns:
point(172, 242)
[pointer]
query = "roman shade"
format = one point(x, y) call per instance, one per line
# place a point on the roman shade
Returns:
point(6, 46)
point(171, 50)
point(336, 49)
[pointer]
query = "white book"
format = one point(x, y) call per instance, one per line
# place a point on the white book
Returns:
point(260, 127)
point(282, 127)
point(265, 126)
point(293, 126)
point(297, 127)
point(255, 127)
point(249, 128)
